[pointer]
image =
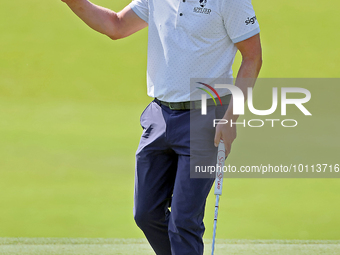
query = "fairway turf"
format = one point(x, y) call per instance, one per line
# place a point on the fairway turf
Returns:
point(86, 246)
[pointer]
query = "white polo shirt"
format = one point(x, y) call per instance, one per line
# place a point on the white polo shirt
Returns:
point(192, 39)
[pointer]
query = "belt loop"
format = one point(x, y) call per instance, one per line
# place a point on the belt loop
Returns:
point(157, 101)
point(182, 105)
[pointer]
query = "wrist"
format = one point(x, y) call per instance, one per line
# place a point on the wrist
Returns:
point(230, 116)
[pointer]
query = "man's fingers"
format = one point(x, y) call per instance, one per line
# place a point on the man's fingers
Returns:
point(217, 138)
point(227, 149)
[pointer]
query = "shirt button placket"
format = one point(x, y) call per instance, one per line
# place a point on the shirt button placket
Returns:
point(181, 12)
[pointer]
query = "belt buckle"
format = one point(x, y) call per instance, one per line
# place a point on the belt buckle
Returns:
point(170, 107)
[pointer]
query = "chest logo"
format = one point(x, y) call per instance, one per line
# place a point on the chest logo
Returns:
point(202, 8)
point(203, 3)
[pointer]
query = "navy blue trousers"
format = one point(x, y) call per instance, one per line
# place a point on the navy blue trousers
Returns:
point(163, 180)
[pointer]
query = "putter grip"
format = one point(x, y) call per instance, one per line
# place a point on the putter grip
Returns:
point(219, 168)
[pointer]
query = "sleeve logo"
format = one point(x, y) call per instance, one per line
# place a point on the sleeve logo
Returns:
point(251, 20)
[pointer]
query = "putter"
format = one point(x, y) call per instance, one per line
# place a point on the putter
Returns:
point(218, 186)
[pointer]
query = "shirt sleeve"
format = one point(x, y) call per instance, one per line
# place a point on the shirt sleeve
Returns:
point(141, 8)
point(239, 19)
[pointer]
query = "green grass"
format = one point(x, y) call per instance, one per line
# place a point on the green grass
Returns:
point(67, 169)
point(63, 246)
point(70, 101)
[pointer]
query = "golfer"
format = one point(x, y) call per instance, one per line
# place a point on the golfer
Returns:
point(187, 39)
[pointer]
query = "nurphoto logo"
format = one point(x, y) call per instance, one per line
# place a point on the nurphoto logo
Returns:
point(239, 99)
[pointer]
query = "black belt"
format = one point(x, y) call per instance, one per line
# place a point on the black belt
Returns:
point(191, 105)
